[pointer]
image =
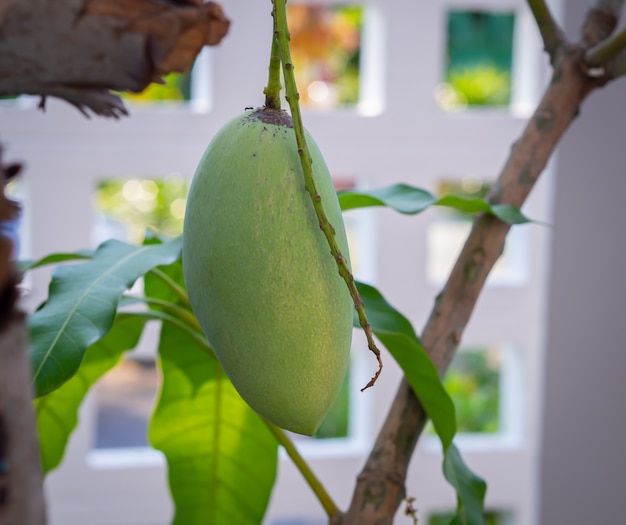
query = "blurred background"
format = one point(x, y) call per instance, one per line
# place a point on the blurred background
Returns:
point(431, 94)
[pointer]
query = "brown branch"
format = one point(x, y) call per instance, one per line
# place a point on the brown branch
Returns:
point(381, 485)
point(606, 50)
point(551, 33)
point(78, 50)
point(611, 7)
point(21, 486)
point(599, 24)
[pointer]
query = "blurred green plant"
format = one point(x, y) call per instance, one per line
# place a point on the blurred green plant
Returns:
point(491, 518)
point(176, 88)
point(473, 382)
point(136, 205)
point(479, 59)
point(481, 85)
point(326, 43)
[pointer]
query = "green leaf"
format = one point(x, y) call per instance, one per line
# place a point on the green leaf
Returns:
point(81, 306)
point(410, 200)
point(53, 258)
point(401, 197)
point(221, 456)
point(508, 213)
point(396, 333)
point(470, 489)
point(57, 412)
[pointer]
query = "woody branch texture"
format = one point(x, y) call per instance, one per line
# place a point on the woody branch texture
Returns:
point(380, 486)
point(79, 50)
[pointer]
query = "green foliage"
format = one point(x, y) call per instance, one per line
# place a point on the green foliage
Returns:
point(397, 334)
point(480, 52)
point(141, 204)
point(81, 306)
point(470, 489)
point(410, 200)
point(445, 518)
point(474, 386)
point(221, 457)
point(57, 412)
point(481, 85)
point(176, 87)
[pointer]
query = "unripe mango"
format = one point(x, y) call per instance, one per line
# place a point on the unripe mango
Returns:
point(259, 273)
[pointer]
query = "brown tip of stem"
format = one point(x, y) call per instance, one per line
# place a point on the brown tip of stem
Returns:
point(376, 352)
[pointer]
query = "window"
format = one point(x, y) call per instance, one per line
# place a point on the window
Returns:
point(479, 57)
point(448, 230)
point(326, 45)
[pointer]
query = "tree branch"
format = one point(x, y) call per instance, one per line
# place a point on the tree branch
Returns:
point(380, 486)
point(21, 486)
point(611, 7)
point(78, 50)
point(605, 51)
point(551, 34)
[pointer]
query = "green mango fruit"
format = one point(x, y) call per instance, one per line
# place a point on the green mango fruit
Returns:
point(259, 273)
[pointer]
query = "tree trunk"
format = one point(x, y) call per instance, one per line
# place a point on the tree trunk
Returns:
point(21, 489)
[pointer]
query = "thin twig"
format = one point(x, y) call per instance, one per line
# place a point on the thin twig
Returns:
point(605, 51)
point(282, 34)
point(551, 33)
point(312, 480)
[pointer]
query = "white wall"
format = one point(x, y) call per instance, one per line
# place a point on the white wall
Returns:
point(583, 464)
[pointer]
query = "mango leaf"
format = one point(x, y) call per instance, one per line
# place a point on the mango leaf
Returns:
point(81, 306)
point(57, 412)
point(470, 489)
point(53, 258)
point(410, 200)
point(397, 334)
point(221, 457)
point(401, 197)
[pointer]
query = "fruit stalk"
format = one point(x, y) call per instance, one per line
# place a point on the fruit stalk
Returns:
point(320, 492)
point(272, 91)
point(281, 39)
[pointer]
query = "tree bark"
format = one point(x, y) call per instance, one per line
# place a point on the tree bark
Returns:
point(78, 50)
point(21, 489)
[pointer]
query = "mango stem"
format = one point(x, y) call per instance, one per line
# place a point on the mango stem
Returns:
point(272, 91)
point(281, 35)
point(320, 492)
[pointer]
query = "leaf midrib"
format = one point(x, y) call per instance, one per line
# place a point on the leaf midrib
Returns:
point(73, 311)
